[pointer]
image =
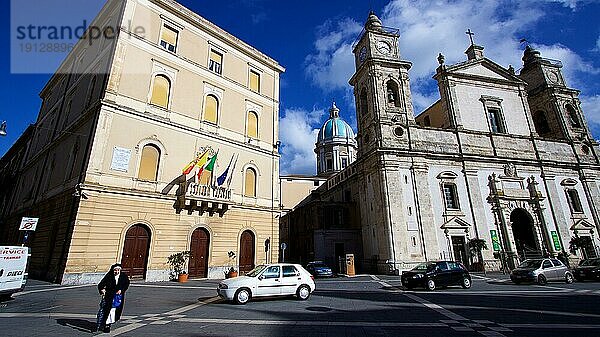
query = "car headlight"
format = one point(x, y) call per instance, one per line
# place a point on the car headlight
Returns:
point(222, 286)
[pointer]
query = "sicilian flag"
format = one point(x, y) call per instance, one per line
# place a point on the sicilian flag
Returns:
point(205, 173)
point(223, 176)
point(192, 164)
point(202, 162)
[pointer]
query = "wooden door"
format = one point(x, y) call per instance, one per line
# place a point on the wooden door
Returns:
point(460, 250)
point(198, 264)
point(135, 251)
point(246, 252)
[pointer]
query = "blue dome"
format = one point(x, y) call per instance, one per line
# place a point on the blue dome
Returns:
point(335, 127)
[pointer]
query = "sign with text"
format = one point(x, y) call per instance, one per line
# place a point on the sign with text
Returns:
point(495, 240)
point(13, 266)
point(120, 159)
point(555, 240)
point(208, 191)
point(28, 224)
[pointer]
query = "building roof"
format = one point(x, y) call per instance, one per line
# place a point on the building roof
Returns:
point(335, 127)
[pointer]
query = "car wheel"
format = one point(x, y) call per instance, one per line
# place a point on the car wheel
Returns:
point(303, 292)
point(466, 283)
point(568, 278)
point(542, 280)
point(430, 284)
point(242, 296)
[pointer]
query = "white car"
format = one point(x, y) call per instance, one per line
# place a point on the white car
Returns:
point(268, 280)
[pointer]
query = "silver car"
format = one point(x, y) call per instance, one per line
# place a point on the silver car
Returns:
point(541, 271)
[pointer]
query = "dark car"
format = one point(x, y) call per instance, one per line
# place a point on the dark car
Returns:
point(431, 275)
point(319, 269)
point(587, 270)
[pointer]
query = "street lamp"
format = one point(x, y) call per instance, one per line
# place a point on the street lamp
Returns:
point(3, 129)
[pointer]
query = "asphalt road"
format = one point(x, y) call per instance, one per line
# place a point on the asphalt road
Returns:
point(360, 306)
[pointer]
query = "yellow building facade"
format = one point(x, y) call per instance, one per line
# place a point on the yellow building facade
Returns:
point(174, 149)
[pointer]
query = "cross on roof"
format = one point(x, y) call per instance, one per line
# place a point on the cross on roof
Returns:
point(470, 33)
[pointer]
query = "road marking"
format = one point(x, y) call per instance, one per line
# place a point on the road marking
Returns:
point(178, 287)
point(52, 289)
point(553, 326)
point(153, 319)
point(375, 278)
point(311, 323)
point(451, 315)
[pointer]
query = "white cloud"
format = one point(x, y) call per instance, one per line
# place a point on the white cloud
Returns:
point(298, 137)
point(332, 65)
point(591, 109)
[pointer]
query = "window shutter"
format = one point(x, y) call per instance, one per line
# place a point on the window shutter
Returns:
point(149, 163)
point(160, 91)
point(214, 56)
point(254, 81)
point(169, 35)
point(250, 188)
point(252, 124)
point(211, 108)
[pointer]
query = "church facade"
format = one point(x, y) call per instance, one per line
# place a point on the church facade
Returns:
point(502, 157)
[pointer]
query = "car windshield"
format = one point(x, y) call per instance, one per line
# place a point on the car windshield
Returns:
point(530, 264)
point(318, 265)
point(254, 272)
point(590, 262)
point(424, 266)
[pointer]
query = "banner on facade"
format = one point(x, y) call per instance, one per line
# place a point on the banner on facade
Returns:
point(555, 240)
point(495, 241)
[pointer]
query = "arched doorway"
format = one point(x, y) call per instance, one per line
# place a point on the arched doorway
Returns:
point(524, 233)
point(135, 251)
point(246, 252)
point(199, 244)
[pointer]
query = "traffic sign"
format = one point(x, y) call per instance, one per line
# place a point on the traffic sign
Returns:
point(283, 245)
point(28, 224)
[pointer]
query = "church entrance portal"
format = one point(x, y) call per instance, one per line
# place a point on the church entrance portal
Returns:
point(524, 234)
point(460, 249)
point(135, 251)
point(198, 265)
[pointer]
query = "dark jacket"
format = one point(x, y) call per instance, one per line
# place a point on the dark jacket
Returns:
point(108, 283)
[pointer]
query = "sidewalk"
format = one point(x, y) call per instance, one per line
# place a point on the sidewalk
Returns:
point(493, 277)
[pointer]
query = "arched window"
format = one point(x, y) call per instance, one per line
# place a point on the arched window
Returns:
point(160, 91)
point(540, 122)
point(211, 108)
point(364, 109)
point(573, 116)
point(250, 183)
point(149, 163)
point(392, 94)
point(252, 122)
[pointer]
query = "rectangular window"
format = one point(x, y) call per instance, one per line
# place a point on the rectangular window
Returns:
point(329, 164)
point(574, 202)
point(254, 81)
point(215, 63)
point(495, 119)
point(289, 271)
point(344, 163)
point(450, 196)
point(168, 38)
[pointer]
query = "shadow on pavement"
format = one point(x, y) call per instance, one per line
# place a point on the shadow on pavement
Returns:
point(78, 324)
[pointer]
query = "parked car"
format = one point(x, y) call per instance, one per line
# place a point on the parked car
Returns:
point(319, 269)
point(587, 270)
point(436, 274)
point(541, 271)
point(268, 280)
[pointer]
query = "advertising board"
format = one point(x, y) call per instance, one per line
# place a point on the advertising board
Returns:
point(13, 268)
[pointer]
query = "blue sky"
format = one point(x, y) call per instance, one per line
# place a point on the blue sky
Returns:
point(312, 40)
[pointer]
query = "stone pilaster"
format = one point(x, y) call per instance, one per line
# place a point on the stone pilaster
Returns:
point(426, 218)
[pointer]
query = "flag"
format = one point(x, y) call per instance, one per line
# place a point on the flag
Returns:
point(201, 162)
point(232, 170)
point(192, 164)
point(205, 173)
point(223, 176)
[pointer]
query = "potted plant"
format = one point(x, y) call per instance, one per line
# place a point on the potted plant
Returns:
point(231, 272)
point(177, 262)
point(475, 247)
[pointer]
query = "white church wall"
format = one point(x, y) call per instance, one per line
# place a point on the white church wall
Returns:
point(472, 112)
point(564, 203)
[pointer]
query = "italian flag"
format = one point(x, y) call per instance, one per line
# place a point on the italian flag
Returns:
point(207, 169)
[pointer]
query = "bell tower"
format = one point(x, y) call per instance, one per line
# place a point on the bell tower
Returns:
point(381, 89)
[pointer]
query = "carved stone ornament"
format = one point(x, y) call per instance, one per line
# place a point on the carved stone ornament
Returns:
point(510, 170)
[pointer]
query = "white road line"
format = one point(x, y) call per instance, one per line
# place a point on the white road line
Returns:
point(311, 323)
point(178, 311)
point(552, 326)
point(164, 286)
point(441, 309)
point(374, 277)
point(52, 289)
point(51, 315)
